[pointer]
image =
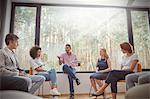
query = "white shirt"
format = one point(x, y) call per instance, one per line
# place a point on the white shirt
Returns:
point(127, 60)
point(35, 63)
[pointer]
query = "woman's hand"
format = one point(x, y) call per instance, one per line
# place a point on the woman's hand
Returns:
point(40, 69)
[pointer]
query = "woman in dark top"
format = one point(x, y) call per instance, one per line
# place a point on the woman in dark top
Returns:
point(102, 68)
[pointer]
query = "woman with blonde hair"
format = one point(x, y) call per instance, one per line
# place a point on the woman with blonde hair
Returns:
point(102, 69)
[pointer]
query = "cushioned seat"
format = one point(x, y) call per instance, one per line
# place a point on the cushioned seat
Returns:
point(11, 94)
point(139, 92)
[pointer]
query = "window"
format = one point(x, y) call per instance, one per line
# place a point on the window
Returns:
point(86, 29)
point(141, 34)
point(24, 27)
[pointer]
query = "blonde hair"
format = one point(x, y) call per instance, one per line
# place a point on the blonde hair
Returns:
point(105, 53)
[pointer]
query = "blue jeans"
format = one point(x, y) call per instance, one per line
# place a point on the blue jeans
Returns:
point(50, 76)
point(99, 76)
point(71, 76)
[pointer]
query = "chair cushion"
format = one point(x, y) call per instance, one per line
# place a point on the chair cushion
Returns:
point(139, 92)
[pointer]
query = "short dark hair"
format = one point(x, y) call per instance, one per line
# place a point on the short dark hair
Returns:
point(68, 45)
point(33, 51)
point(10, 37)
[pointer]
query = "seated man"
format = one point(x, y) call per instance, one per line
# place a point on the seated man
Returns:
point(69, 62)
point(140, 78)
point(9, 65)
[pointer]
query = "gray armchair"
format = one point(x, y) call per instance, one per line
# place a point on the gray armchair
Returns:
point(12, 94)
point(139, 92)
point(13, 83)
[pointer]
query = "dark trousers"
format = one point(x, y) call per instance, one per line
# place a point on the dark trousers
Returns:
point(71, 76)
point(13, 83)
point(114, 76)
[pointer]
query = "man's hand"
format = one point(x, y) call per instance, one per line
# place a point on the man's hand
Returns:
point(60, 61)
point(58, 57)
point(79, 63)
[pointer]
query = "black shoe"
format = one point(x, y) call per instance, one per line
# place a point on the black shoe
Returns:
point(78, 81)
point(95, 94)
point(71, 97)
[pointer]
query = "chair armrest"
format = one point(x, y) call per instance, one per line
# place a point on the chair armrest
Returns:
point(138, 92)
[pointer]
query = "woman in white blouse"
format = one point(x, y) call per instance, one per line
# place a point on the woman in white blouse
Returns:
point(38, 69)
point(129, 61)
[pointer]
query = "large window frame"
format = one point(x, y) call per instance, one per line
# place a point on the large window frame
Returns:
point(38, 18)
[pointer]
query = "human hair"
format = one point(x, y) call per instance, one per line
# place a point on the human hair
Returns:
point(126, 46)
point(68, 45)
point(105, 53)
point(33, 51)
point(10, 37)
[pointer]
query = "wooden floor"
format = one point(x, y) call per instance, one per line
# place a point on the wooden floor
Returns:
point(108, 96)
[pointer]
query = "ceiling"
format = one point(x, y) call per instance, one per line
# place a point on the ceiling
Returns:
point(130, 3)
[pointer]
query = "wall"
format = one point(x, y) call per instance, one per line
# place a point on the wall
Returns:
point(3, 4)
point(5, 23)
